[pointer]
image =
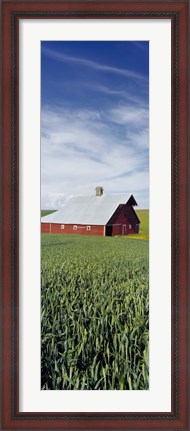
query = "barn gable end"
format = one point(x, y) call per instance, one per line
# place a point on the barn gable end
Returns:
point(123, 222)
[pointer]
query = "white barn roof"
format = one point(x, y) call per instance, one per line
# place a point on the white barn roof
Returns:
point(88, 210)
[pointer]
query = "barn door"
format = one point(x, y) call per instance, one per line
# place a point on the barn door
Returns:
point(124, 229)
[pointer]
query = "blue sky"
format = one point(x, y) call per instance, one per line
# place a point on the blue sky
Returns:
point(94, 120)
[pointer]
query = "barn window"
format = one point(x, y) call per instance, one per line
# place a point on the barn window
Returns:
point(88, 227)
point(62, 226)
point(129, 226)
point(75, 227)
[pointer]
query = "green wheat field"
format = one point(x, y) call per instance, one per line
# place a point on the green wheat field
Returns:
point(95, 311)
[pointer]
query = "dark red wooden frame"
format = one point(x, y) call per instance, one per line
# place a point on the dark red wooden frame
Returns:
point(12, 11)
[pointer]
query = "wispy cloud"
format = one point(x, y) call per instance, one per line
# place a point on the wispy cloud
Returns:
point(60, 56)
point(80, 149)
point(123, 93)
point(94, 123)
point(140, 45)
point(130, 115)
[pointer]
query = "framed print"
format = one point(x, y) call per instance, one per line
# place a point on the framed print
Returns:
point(95, 215)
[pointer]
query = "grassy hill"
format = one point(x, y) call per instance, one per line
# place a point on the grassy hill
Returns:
point(143, 216)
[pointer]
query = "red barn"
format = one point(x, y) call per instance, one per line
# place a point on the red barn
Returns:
point(102, 215)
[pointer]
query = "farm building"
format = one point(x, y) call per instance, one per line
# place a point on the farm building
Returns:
point(102, 215)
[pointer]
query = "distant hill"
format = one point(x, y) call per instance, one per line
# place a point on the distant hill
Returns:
point(46, 212)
